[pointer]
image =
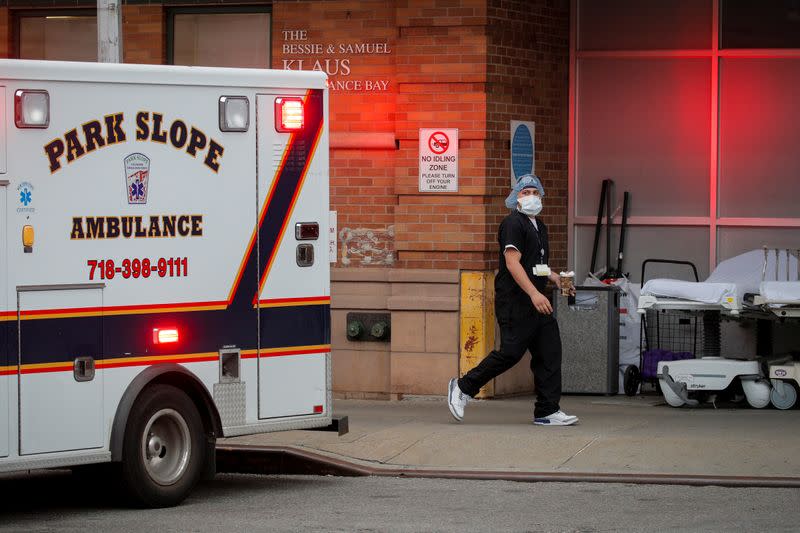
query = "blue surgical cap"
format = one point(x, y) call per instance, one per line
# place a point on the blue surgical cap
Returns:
point(524, 182)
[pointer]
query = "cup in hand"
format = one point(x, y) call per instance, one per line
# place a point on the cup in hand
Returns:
point(567, 283)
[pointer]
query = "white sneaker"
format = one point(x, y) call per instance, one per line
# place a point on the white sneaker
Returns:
point(456, 400)
point(559, 418)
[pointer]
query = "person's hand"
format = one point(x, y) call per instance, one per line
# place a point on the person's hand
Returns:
point(541, 303)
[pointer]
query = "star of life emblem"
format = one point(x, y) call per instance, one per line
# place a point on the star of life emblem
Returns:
point(137, 174)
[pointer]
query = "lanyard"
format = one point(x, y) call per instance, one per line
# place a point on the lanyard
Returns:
point(539, 240)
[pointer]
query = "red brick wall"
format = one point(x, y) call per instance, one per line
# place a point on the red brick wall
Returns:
point(441, 72)
point(5, 32)
point(437, 70)
point(528, 79)
point(144, 34)
point(362, 180)
point(467, 64)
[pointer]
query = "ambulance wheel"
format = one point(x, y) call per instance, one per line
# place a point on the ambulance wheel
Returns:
point(163, 452)
point(784, 399)
point(631, 380)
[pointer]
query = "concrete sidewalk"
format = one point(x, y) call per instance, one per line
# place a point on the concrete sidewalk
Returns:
point(616, 435)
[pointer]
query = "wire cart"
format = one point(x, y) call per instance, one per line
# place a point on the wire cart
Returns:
point(671, 335)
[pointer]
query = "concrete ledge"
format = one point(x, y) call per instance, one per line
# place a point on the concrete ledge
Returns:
point(349, 301)
point(361, 371)
point(367, 396)
point(422, 303)
point(617, 438)
point(422, 373)
point(395, 275)
point(292, 460)
point(432, 290)
point(361, 288)
point(424, 306)
point(359, 274)
point(409, 275)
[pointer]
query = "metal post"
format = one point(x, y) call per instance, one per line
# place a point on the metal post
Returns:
point(611, 193)
point(598, 226)
point(109, 31)
point(777, 263)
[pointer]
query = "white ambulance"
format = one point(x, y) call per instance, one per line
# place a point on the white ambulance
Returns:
point(164, 274)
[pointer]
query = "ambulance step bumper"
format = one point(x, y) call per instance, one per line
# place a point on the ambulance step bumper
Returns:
point(338, 424)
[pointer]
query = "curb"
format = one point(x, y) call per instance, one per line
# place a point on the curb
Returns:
point(289, 460)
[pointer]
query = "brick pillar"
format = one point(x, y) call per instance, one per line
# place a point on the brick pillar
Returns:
point(363, 159)
point(441, 76)
point(528, 55)
point(528, 79)
point(144, 34)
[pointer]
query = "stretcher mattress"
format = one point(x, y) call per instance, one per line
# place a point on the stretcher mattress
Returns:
point(704, 292)
point(781, 291)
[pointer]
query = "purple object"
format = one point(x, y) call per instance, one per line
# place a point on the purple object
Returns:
point(651, 358)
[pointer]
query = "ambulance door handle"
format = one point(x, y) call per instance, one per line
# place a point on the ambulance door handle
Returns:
point(83, 369)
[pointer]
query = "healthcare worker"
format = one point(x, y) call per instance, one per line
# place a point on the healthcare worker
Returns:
point(523, 312)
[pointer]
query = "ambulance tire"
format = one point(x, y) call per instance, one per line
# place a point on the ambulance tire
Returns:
point(163, 450)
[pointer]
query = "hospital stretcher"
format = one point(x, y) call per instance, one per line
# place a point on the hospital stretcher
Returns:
point(740, 289)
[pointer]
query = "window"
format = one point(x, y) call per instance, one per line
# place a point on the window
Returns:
point(704, 137)
point(232, 37)
point(759, 134)
point(645, 123)
point(762, 24)
point(644, 25)
point(646, 242)
point(60, 36)
point(735, 241)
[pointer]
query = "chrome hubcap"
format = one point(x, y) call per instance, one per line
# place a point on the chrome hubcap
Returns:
point(166, 446)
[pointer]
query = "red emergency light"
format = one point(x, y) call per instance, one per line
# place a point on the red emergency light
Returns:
point(165, 335)
point(289, 114)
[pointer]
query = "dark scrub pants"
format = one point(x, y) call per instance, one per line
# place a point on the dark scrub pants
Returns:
point(521, 326)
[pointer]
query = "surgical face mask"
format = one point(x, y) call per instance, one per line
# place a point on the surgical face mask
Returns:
point(530, 205)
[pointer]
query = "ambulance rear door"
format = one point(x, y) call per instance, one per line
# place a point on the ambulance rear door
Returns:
point(294, 295)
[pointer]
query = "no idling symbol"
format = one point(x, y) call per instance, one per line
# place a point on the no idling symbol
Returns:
point(438, 142)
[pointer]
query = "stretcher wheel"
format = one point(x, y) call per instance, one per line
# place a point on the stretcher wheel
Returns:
point(672, 399)
point(631, 380)
point(785, 398)
point(757, 392)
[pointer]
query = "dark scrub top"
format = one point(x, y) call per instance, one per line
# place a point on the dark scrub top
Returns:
point(518, 230)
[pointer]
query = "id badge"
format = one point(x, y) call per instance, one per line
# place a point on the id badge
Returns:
point(541, 270)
